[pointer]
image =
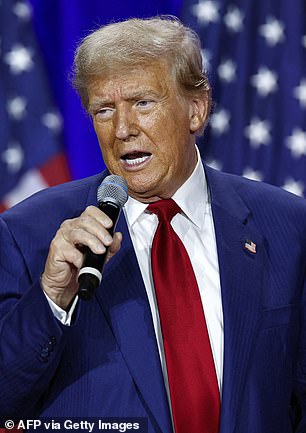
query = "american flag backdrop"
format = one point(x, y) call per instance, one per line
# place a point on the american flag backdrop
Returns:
point(30, 126)
point(255, 55)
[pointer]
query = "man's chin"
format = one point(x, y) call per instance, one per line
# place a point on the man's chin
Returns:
point(142, 190)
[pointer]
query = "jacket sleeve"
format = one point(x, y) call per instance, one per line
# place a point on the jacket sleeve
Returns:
point(31, 339)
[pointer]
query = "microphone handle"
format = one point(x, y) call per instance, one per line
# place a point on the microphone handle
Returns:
point(91, 277)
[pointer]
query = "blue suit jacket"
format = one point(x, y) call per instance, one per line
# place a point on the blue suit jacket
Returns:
point(107, 363)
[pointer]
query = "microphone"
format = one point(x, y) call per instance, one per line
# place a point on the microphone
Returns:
point(112, 195)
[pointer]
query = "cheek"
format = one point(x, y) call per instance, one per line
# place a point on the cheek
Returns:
point(159, 121)
point(161, 131)
point(103, 133)
point(104, 136)
point(171, 125)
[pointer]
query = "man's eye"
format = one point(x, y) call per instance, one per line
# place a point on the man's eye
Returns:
point(145, 103)
point(104, 113)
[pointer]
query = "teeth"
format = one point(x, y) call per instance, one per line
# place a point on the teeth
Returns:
point(136, 160)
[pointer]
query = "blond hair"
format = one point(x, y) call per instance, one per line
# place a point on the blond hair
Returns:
point(135, 42)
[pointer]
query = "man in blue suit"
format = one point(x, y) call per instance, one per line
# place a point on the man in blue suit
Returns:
point(143, 85)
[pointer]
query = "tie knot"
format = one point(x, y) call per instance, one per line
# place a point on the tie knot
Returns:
point(164, 209)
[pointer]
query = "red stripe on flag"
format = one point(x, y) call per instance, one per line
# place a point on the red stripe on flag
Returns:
point(55, 170)
point(2, 209)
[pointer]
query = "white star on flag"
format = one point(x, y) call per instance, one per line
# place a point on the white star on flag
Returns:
point(227, 71)
point(258, 132)
point(233, 19)
point(22, 10)
point(13, 156)
point(265, 81)
point(219, 121)
point(300, 93)
point(258, 76)
point(19, 59)
point(206, 11)
point(293, 186)
point(52, 121)
point(297, 142)
point(16, 107)
point(272, 31)
point(249, 173)
point(31, 156)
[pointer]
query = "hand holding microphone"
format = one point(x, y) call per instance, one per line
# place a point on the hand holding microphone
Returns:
point(66, 261)
point(112, 195)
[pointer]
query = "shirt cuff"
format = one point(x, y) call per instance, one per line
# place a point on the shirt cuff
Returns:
point(63, 316)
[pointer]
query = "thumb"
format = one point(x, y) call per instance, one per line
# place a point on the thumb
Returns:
point(115, 246)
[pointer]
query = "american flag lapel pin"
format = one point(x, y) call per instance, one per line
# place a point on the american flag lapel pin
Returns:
point(250, 246)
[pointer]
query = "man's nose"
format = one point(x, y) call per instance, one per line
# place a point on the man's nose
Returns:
point(125, 123)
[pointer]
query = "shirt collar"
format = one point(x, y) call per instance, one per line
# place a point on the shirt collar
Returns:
point(191, 197)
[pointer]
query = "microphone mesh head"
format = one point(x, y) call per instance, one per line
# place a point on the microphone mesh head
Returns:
point(113, 188)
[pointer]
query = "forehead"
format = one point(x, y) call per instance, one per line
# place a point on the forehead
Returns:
point(155, 78)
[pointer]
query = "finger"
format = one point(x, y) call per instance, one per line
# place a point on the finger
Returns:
point(61, 255)
point(86, 231)
point(115, 246)
point(98, 215)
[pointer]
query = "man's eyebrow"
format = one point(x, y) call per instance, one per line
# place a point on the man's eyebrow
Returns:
point(98, 103)
point(130, 96)
point(142, 93)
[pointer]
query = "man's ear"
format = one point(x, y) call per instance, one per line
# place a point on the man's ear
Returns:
point(198, 112)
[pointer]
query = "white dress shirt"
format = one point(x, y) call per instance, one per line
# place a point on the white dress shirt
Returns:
point(195, 228)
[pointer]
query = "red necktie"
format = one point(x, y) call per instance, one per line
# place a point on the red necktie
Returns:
point(194, 392)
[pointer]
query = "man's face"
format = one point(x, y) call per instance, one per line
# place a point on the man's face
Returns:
point(145, 130)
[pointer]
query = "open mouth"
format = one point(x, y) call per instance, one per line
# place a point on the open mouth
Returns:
point(135, 158)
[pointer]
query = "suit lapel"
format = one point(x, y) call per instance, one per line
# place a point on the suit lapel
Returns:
point(123, 299)
point(241, 275)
